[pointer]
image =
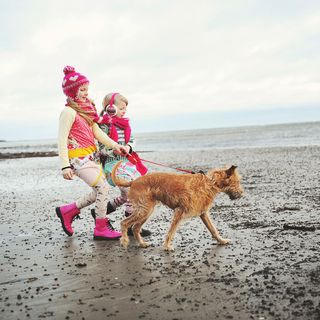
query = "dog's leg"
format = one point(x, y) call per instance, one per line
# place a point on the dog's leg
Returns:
point(125, 224)
point(177, 218)
point(143, 216)
point(136, 232)
point(213, 230)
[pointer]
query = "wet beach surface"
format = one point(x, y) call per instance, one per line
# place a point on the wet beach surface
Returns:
point(267, 272)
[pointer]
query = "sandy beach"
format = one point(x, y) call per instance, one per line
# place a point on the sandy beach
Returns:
point(267, 272)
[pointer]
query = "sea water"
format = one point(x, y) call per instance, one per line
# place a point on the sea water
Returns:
point(278, 135)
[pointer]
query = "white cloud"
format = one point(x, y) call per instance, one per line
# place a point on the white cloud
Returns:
point(167, 57)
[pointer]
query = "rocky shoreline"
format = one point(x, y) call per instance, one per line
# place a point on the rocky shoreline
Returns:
point(18, 155)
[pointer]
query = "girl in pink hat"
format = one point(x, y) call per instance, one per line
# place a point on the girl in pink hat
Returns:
point(77, 152)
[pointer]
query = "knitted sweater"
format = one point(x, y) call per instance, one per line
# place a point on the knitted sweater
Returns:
point(76, 138)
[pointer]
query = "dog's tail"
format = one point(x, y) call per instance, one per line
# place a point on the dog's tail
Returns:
point(116, 180)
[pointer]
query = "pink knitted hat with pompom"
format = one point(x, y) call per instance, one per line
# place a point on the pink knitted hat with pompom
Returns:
point(72, 81)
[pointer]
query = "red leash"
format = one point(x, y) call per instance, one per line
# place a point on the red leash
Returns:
point(136, 160)
point(162, 165)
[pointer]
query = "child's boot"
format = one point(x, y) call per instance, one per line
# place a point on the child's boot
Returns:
point(143, 232)
point(104, 230)
point(67, 214)
point(110, 209)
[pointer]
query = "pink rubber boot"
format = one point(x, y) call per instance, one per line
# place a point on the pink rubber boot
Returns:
point(66, 214)
point(104, 230)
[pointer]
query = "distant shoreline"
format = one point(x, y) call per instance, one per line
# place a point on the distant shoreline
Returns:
point(185, 141)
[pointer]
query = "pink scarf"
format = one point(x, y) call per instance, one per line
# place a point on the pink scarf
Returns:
point(115, 121)
point(88, 106)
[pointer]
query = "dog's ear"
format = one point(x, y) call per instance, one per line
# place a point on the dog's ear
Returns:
point(230, 171)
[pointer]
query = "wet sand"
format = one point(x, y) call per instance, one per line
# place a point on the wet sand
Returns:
point(268, 272)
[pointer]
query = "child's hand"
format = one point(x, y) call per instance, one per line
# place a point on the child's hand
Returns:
point(126, 150)
point(67, 174)
point(120, 150)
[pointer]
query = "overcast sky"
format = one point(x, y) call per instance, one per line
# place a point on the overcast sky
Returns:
point(181, 64)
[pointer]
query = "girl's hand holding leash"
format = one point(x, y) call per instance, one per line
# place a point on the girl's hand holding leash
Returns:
point(119, 149)
point(123, 153)
point(67, 173)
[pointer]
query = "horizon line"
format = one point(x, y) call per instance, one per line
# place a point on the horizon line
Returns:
point(191, 129)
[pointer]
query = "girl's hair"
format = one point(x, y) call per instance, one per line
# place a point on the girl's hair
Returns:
point(107, 98)
point(83, 113)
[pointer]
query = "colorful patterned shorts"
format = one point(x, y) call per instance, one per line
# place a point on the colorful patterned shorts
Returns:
point(126, 171)
point(78, 163)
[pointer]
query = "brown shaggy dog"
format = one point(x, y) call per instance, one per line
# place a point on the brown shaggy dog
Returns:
point(187, 194)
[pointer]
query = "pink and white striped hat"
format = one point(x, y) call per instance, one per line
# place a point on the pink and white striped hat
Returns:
point(72, 81)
